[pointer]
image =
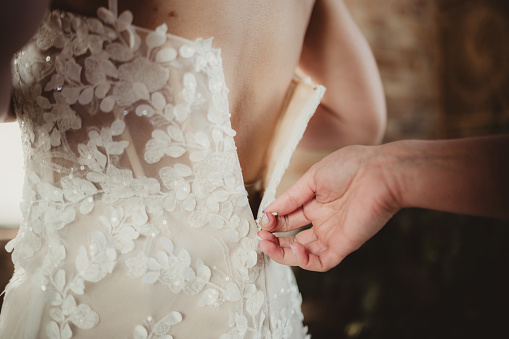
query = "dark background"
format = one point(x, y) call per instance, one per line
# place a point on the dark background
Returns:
point(427, 274)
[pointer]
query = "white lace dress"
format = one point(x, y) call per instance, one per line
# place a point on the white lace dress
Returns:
point(136, 220)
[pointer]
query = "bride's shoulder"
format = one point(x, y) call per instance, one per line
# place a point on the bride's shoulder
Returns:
point(17, 25)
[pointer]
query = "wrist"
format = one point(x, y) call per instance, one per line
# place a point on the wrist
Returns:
point(398, 162)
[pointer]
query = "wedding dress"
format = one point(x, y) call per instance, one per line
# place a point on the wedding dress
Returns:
point(136, 219)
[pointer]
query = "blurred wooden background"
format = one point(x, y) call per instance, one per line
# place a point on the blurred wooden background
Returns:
point(445, 68)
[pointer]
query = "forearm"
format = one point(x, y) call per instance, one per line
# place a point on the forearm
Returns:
point(467, 176)
point(336, 54)
point(5, 89)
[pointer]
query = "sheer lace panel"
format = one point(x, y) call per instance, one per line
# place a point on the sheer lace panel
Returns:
point(136, 219)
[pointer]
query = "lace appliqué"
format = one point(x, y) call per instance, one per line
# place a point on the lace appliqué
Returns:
point(157, 330)
point(77, 85)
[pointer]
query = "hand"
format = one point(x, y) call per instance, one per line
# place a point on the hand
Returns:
point(347, 197)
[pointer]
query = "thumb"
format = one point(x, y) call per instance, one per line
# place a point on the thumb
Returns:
point(288, 222)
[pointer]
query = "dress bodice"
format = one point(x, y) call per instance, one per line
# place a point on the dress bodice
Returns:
point(136, 219)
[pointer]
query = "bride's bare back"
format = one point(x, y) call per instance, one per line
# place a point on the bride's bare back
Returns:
point(260, 43)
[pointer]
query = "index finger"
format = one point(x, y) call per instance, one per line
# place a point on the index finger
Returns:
point(294, 197)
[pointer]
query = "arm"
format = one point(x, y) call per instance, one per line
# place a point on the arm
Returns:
point(468, 176)
point(18, 21)
point(336, 54)
point(5, 88)
point(351, 194)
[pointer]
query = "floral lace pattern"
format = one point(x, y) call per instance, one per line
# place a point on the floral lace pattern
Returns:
point(84, 88)
point(158, 330)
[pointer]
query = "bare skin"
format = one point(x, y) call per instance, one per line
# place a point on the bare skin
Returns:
point(352, 193)
point(262, 43)
point(17, 25)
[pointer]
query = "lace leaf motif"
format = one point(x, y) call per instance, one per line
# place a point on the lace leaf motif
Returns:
point(210, 188)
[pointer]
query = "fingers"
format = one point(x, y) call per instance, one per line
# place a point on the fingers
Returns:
point(319, 263)
point(294, 197)
point(288, 251)
point(265, 235)
point(270, 246)
point(284, 223)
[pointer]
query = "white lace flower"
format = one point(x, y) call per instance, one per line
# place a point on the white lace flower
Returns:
point(59, 119)
point(66, 117)
point(114, 226)
point(157, 38)
point(174, 179)
point(215, 171)
point(116, 184)
point(81, 41)
point(81, 316)
point(189, 91)
point(149, 186)
point(52, 212)
point(217, 117)
point(237, 228)
point(137, 79)
point(160, 145)
point(175, 271)
point(65, 308)
point(122, 24)
point(137, 265)
point(99, 261)
point(245, 257)
point(199, 216)
point(67, 67)
point(157, 330)
point(79, 191)
point(238, 327)
point(155, 206)
point(135, 209)
point(255, 299)
point(57, 216)
point(91, 157)
point(98, 68)
point(282, 327)
point(199, 142)
point(105, 138)
point(24, 245)
point(49, 35)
